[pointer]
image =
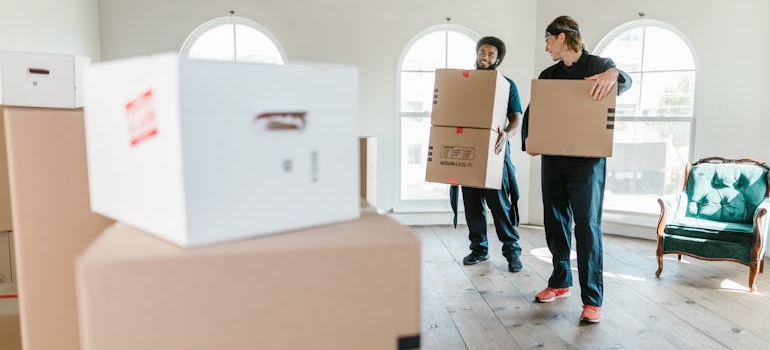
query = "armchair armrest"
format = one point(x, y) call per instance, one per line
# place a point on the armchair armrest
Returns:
point(675, 205)
point(671, 207)
point(762, 224)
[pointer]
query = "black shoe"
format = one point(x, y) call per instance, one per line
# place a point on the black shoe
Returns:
point(474, 258)
point(514, 264)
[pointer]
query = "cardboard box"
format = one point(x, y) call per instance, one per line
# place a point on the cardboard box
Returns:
point(53, 222)
point(6, 221)
point(565, 120)
point(464, 156)
point(10, 330)
point(41, 79)
point(368, 168)
point(6, 271)
point(470, 98)
point(202, 152)
point(352, 285)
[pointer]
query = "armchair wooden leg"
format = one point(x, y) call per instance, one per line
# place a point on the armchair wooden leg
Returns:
point(753, 271)
point(762, 266)
point(660, 265)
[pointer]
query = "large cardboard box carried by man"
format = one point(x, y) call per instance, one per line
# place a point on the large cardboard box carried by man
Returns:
point(351, 285)
point(468, 108)
point(464, 156)
point(201, 152)
point(470, 98)
point(564, 119)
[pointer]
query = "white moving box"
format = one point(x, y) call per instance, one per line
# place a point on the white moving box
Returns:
point(200, 152)
point(41, 79)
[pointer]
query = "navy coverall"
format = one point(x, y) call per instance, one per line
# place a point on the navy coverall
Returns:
point(573, 188)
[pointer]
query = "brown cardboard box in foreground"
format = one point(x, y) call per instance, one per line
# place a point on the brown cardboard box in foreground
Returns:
point(352, 285)
point(464, 156)
point(6, 262)
point(5, 191)
point(470, 98)
point(565, 120)
point(52, 220)
point(367, 153)
point(10, 334)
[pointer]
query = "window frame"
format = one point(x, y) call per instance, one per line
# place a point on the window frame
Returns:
point(643, 23)
point(191, 39)
point(419, 205)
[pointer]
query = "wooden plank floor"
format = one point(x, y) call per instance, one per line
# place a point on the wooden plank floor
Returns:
point(694, 305)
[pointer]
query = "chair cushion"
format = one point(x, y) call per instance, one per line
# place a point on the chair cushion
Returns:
point(725, 192)
point(707, 249)
point(711, 230)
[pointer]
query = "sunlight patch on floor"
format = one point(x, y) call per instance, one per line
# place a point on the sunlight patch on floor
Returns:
point(545, 255)
point(731, 286)
point(624, 277)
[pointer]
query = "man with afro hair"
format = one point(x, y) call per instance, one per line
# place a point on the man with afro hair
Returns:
point(490, 52)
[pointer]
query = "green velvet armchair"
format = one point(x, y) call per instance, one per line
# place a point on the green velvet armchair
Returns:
point(721, 214)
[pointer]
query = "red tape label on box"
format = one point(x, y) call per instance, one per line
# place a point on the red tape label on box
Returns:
point(141, 118)
point(466, 73)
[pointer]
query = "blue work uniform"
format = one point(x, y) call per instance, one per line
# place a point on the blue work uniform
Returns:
point(573, 188)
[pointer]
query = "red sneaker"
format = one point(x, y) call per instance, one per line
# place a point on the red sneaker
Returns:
point(549, 294)
point(591, 314)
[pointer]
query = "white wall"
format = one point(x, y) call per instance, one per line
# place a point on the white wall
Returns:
point(732, 117)
point(367, 33)
point(52, 26)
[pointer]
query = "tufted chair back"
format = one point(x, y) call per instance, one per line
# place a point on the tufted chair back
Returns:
point(725, 191)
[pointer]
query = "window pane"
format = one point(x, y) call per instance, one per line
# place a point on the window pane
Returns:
point(215, 44)
point(253, 46)
point(664, 50)
point(427, 53)
point(414, 136)
point(626, 50)
point(668, 94)
point(628, 103)
point(649, 156)
point(417, 91)
point(648, 161)
point(462, 51)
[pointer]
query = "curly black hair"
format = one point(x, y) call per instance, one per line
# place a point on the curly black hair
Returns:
point(496, 42)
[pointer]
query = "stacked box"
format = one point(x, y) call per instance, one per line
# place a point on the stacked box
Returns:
point(351, 285)
point(186, 154)
point(52, 220)
point(31, 79)
point(368, 168)
point(6, 262)
point(203, 152)
point(468, 108)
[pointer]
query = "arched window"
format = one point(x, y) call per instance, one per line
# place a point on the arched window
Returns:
point(654, 119)
point(443, 46)
point(233, 39)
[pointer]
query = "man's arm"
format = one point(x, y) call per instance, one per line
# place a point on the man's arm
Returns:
point(603, 81)
point(504, 135)
point(514, 116)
